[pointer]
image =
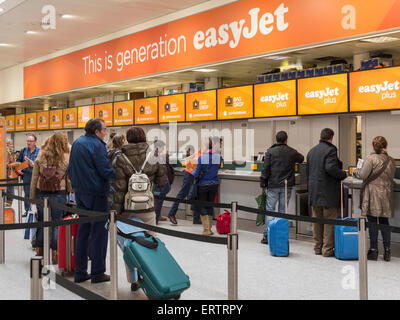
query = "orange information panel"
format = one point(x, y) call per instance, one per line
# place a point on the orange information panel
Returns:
point(31, 121)
point(10, 121)
point(20, 122)
point(70, 118)
point(56, 118)
point(43, 121)
point(235, 103)
point(123, 113)
point(146, 111)
point(321, 95)
point(201, 106)
point(171, 108)
point(104, 112)
point(377, 89)
point(275, 99)
point(3, 155)
point(84, 115)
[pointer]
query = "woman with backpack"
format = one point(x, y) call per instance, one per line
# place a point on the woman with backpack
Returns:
point(137, 162)
point(50, 180)
point(118, 141)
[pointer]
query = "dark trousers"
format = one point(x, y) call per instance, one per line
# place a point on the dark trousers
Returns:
point(161, 191)
point(182, 194)
point(56, 215)
point(98, 235)
point(207, 193)
point(373, 233)
point(26, 178)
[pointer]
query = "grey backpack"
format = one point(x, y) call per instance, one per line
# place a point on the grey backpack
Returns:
point(140, 195)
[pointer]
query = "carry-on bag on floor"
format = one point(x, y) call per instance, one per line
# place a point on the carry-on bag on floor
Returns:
point(224, 222)
point(278, 234)
point(31, 219)
point(159, 275)
point(9, 215)
point(346, 238)
point(66, 246)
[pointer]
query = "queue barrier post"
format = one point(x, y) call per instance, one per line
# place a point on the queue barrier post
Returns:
point(19, 191)
point(233, 242)
point(36, 277)
point(113, 255)
point(46, 233)
point(2, 233)
point(362, 258)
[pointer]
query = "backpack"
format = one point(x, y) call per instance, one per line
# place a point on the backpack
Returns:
point(49, 181)
point(139, 195)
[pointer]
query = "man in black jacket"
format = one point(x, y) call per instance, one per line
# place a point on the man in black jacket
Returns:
point(324, 172)
point(279, 163)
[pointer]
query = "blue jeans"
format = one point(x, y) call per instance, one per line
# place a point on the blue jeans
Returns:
point(275, 196)
point(182, 194)
point(97, 233)
point(160, 190)
point(10, 189)
point(26, 178)
point(56, 215)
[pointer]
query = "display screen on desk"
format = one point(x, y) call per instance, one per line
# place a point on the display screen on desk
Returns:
point(43, 120)
point(104, 112)
point(377, 89)
point(56, 118)
point(320, 95)
point(84, 115)
point(235, 103)
point(146, 111)
point(275, 99)
point(31, 121)
point(10, 123)
point(20, 122)
point(201, 106)
point(70, 118)
point(123, 113)
point(171, 108)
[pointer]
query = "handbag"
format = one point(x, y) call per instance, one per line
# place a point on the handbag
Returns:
point(262, 203)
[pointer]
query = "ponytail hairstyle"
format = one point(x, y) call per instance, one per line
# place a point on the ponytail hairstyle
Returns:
point(379, 143)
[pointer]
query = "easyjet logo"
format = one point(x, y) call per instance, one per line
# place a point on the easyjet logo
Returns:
point(381, 87)
point(328, 95)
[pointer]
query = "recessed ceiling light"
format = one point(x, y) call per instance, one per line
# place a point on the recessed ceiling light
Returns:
point(5, 45)
point(1, 1)
point(67, 16)
point(277, 58)
point(1, 9)
point(380, 39)
point(205, 70)
point(30, 32)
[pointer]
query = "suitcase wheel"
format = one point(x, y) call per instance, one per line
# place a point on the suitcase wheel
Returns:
point(135, 286)
point(177, 297)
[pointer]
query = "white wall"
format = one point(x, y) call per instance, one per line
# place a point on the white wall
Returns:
point(12, 84)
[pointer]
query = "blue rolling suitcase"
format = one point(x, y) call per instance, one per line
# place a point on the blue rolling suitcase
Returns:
point(278, 234)
point(346, 238)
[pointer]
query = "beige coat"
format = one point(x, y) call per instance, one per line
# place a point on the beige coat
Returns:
point(62, 173)
point(378, 194)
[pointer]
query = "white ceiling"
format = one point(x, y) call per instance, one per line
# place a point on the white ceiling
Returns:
point(93, 19)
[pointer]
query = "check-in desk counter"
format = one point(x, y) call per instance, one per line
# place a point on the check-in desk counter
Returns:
point(355, 185)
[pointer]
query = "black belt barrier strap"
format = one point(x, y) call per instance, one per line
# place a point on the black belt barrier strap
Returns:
point(14, 184)
point(179, 234)
point(34, 201)
point(382, 227)
point(5, 180)
point(57, 205)
point(196, 202)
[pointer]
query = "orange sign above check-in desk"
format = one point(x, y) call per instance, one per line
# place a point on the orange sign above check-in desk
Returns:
point(235, 103)
point(236, 30)
point(70, 118)
point(321, 95)
point(84, 115)
point(171, 108)
point(31, 121)
point(201, 106)
point(377, 89)
point(146, 111)
point(123, 113)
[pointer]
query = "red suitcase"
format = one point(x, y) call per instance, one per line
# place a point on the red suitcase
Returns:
point(66, 246)
point(224, 222)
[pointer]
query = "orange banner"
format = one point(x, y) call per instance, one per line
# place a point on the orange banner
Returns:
point(104, 112)
point(56, 118)
point(70, 118)
point(171, 108)
point(20, 122)
point(235, 30)
point(321, 95)
point(275, 99)
point(30, 119)
point(377, 89)
point(84, 115)
point(10, 121)
point(3, 154)
point(235, 103)
point(146, 111)
point(201, 106)
point(43, 120)
point(123, 113)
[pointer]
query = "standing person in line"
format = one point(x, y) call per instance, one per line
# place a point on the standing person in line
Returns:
point(377, 202)
point(279, 165)
point(134, 156)
point(50, 180)
point(110, 140)
point(206, 175)
point(188, 180)
point(90, 173)
point(324, 172)
point(118, 141)
point(29, 154)
point(162, 190)
point(11, 164)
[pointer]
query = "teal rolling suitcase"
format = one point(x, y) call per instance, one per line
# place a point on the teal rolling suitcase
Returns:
point(159, 275)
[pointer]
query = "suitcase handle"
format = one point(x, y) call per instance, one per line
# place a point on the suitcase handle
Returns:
point(140, 240)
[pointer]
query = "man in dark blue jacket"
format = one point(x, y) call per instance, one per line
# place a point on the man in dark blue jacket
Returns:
point(90, 173)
